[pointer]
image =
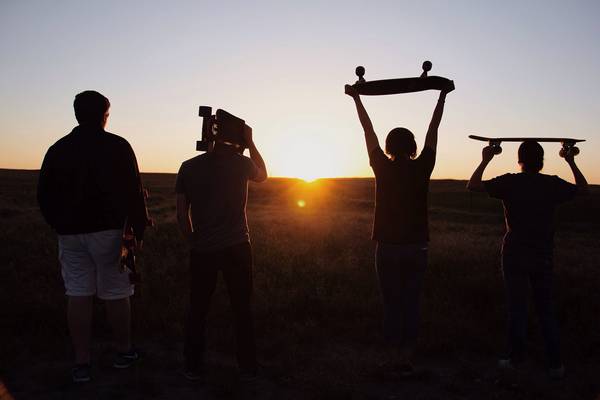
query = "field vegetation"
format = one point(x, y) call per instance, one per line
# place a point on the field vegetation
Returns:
point(317, 306)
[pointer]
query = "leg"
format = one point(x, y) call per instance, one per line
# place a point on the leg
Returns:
point(79, 315)
point(516, 281)
point(415, 264)
point(119, 317)
point(390, 278)
point(79, 276)
point(237, 273)
point(542, 284)
point(113, 285)
point(203, 280)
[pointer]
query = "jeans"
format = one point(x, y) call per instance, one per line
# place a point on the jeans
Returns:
point(521, 270)
point(400, 269)
point(235, 263)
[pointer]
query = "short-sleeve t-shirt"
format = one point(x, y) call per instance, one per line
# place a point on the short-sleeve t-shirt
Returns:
point(529, 201)
point(401, 197)
point(216, 185)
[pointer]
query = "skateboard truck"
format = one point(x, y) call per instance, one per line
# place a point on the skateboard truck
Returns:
point(221, 126)
point(402, 85)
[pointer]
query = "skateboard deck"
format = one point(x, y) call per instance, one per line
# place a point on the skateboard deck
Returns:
point(522, 139)
point(401, 85)
point(568, 144)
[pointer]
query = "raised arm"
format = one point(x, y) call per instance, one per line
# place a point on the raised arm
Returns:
point(432, 133)
point(370, 136)
point(255, 156)
point(475, 183)
point(580, 181)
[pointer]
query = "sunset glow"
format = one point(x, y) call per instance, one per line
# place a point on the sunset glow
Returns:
point(158, 64)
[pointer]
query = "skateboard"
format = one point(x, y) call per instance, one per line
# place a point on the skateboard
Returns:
point(221, 126)
point(568, 144)
point(401, 85)
point(128, 245)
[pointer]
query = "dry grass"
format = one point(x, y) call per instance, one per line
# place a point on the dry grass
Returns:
point(316, 299)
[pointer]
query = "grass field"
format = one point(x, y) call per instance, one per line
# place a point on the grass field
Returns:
point(318, 316)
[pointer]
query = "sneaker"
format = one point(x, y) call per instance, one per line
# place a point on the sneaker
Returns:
point(126, 360)
point(81, 373)
point(506, 364)
point(557, 373)
point(405, 370)
point(193, 375)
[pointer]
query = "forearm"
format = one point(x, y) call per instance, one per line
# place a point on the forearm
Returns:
point(580, 181)
point(185, 224)
point(475, 184)
point(436, 119)
point(367, 125)
point(256, 157)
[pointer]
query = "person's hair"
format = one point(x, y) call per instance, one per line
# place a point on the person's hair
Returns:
point(400, 142)
point(531, 156)
point(90, 107)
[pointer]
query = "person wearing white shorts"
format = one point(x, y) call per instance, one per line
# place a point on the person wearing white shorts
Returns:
point(89, 190)
point(91, 265)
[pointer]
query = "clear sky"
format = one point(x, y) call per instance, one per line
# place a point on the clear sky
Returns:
point(522, 68)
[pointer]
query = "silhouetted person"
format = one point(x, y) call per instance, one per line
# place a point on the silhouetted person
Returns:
point(212, 189)
point(401, 224)
point(89, 187)
point(529, 200)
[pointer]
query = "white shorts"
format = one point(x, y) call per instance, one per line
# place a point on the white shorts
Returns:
point(91, 264)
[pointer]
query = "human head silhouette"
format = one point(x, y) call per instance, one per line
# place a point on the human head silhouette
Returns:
point(91, 108)
point(531, 156)
point(400, 143)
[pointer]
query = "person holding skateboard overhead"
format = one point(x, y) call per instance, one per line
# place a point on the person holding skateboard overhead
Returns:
point(529, 200)
point(89, 188)
point(212, 189)
point(400, 225)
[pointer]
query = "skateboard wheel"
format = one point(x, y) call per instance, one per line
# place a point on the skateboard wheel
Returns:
point(204, 111)
point(575, 150)
point(360, 71)
point(562, 153)
point(497, 150)
point(427, 66)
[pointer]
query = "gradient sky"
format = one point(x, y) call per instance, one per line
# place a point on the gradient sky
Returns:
point(523, 68)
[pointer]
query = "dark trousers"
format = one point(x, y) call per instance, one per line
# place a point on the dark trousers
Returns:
point(235, 263)
point(400, 269)
point(521, 271)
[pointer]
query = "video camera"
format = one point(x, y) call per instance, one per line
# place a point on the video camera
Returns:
point(223, 127)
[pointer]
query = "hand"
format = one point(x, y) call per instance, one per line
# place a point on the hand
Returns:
point(350, 90)
point(447, 89)
point(569, 154)
point(488, 153)
point(248, 135)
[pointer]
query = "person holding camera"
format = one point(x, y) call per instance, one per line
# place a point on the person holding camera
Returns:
point(89, 188)
point(401, 224)
point(212, 190)
point(529, 200)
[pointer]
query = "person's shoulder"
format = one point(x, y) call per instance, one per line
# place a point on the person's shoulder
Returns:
point(115, 139)
point(189, 163)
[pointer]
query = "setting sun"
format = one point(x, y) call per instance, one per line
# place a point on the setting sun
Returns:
point(301, 203)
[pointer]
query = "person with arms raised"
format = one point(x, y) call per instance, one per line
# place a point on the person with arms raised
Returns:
point(400, 226)
point(529, 200)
